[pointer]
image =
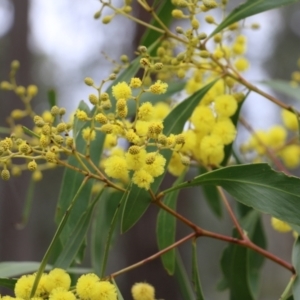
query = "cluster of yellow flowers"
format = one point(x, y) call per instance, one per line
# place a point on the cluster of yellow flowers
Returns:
point(56, 285)
point(282, 141)
point(146, 130)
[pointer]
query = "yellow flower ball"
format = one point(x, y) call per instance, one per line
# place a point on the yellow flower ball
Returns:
point(61, 294)
point(121, 90)
point(136, 161)
point(290, 156)
point(81, 115)
point(110, 141)
point(157, 167)
point(279, 225)
point(211, 150)
point(276, 136)
point(58, 278)
point(161, 110)
point(225, 105)
point(225, 129)
point(203, 119)
point(104, 290)
point(158, 87)
point(88, 134)
point(145, 112)
point(135, 82)
point(85, 285)
point(23, 286)
point(241, 64)
point(142, 179)
point(143, 291)
point(289, 120)
point(141, 128)
point(175, 166)
point(116, 167)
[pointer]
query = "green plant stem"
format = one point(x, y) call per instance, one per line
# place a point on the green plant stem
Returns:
point(154, 256)
point(287, 291)
point(130, 17)
point(55, 239)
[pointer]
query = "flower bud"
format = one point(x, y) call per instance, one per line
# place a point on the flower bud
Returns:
point(5, 174)
point(88, 81)
point(107, 19)
point(32, 166)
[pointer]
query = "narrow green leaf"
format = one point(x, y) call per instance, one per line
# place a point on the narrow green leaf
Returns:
point(27, 205)
point(8, 283)
point(74, 243)
point(164, 14)
point(286, 295)
point(195, 273)
point(284, 87)
point(14, 268)
point(139, 199)
point(104, 214)
point(135, 205)
point(296, 264)
point(241, 265)
point(51, 97)
point(257, 186)
point(121, 197)
point(56, 237)
point(30, 132)
point(120, 297)
point(255, 260)
point(250, 8)
point(212, 197)
point(166, 229)
point(182, 278)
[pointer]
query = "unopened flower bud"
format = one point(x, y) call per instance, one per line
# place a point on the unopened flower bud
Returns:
point(112, 76)
point(204, 54)
point(177, 13)
point(32, 165)
point(93, 99)
point(104, 97)
point(179, 30)
point(158, 66)
point(97, 14)
point(134, 150)
point(15, 65)
point(107, 19)
point(210, 3)
point(20, 90)
point(185, 160)
point(88, 81)
point(32, 90)
point(142, 49)
point(54, 110)
point(210, 19)
point(5, 174)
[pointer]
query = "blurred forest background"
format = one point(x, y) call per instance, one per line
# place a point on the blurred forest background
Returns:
point(58, 43)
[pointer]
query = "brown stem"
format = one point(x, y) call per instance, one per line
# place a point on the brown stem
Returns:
point(154, 256)
point(244, 242)
point(232, 215)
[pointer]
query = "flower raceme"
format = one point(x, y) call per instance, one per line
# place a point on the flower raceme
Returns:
point(56, 285)
point(211, 129)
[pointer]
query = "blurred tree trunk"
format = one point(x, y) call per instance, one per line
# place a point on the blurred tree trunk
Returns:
point(15, 243)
